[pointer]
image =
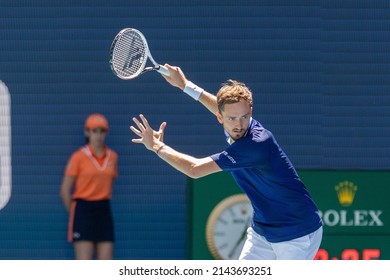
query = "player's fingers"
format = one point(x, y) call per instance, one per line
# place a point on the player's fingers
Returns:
point(172, 72)
point(169, 67)
point(144, 121)
point(178, 69)
point(160, 133)
point(138, 141)
point(140, 126)
point(162, 127)
point(172, 68)
point(136, 131)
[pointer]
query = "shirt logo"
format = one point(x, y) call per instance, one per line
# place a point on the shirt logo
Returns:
point(232, 160)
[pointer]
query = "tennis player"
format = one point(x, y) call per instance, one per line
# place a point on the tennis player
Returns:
point(90, 173)
point(286, 222)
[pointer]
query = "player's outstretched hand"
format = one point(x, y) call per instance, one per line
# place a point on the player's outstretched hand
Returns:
point(148, 136)
point(160, 133)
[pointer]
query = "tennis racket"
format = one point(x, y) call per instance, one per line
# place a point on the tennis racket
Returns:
point(129, 53)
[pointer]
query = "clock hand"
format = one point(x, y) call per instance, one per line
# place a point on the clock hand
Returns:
point(243, 234)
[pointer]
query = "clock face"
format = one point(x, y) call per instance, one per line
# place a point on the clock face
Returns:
point(226, 227)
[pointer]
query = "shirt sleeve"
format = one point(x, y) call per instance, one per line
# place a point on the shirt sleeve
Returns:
point(72, 167)
point(242, 154)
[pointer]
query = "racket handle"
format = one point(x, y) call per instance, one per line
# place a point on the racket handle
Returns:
point(163, 70)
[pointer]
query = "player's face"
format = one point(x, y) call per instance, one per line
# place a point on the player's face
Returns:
point(235, 118)
point(97, 136)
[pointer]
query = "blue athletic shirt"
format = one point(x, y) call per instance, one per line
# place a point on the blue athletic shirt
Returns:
point(283, 208)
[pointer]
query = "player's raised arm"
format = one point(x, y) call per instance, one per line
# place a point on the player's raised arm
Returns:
point(178, 79)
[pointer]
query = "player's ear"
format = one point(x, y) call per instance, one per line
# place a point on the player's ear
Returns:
point(219, 117)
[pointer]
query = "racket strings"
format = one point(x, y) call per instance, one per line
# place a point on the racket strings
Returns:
point(129, 57)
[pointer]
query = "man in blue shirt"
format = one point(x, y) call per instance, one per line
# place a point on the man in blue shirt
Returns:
point(286, 222)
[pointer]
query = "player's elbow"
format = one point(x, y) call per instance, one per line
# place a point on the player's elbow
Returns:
point(194, 172)
point(197, 171)
point(202, 167)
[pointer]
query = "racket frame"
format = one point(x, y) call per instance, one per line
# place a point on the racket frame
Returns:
point(157, 67)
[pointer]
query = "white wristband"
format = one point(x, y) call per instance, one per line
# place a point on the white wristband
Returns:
point(193, 90)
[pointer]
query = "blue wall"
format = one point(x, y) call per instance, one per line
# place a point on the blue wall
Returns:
point(319, 70)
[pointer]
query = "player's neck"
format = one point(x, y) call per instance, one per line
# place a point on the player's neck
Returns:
point(98, 150)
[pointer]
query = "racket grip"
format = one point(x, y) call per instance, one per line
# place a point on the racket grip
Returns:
point(163, 70)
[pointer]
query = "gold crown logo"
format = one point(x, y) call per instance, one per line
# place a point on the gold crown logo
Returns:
point(346, 192)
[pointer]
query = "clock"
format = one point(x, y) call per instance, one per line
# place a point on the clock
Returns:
point(227, 225)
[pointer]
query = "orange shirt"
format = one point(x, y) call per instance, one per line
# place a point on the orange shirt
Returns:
point(94, 176)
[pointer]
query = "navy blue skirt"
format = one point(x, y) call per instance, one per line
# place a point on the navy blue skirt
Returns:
point(91, 221)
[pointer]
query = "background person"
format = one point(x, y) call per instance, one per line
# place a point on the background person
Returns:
point(90, 174)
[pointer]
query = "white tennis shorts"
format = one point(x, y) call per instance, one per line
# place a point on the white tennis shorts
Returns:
point(256, 247)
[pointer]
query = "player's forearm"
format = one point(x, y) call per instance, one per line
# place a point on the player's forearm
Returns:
point(184, 163)
point(209, 101)
point(199, 94)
